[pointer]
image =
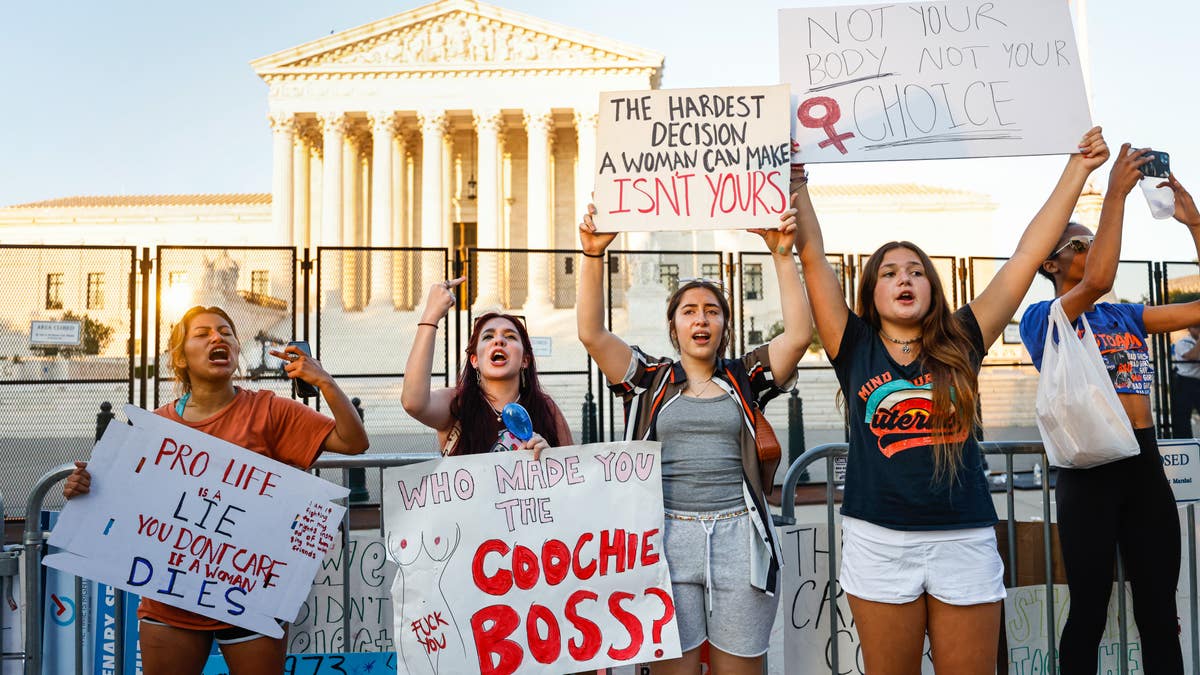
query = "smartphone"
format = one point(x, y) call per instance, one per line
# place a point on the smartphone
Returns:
point(300, 387)
point(1159, 165)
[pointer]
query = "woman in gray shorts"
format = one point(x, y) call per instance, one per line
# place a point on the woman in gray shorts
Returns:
point(718, 538)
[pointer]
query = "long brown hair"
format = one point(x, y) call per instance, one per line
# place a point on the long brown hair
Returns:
point(183, 381)
point(470, 407)
point(945, 355)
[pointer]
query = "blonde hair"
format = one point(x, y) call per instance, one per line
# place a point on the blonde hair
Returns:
point(183, 382)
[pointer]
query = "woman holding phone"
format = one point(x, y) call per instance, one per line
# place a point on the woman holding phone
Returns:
point(499, 369)
point(204, 351)
point(1128, 502)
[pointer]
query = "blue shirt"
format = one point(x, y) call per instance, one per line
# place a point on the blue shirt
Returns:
point(890, 473)
point(1120, 335)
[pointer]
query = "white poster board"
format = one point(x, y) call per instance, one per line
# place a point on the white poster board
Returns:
point(694, 159)
point(1027, 630)
point(198, 523)
point(933, 80)
point(807, 643)
point(511, 565)
point(1181, 462)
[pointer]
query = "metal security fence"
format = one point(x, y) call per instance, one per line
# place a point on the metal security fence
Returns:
point(67, 344)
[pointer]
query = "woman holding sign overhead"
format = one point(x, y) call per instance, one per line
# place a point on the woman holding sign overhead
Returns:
point(1129, 501)
point(204, 351)
point(499, 369)
point(719, 541)
point(918, 547)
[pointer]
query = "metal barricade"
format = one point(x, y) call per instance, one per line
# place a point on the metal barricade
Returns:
point(34, 543)
point(829, 452)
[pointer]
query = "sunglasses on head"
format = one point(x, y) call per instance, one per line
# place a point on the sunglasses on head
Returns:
point(1079, 244)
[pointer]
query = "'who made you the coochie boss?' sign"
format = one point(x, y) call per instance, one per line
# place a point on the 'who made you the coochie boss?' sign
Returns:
point(198, 523)
point(677, 159)
point(510, 565)
point(933, 80)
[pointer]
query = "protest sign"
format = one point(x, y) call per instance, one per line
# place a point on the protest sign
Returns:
point(933, 80)
point(807, 604)
point(692, 159)
point(198, 523)
point(1181, 462)
point(508, 565)
point(1028, 633)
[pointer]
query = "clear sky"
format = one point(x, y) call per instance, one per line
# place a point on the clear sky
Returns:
point(127, 97)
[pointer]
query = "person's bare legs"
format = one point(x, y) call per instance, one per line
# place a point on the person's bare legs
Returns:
point(260, 656)
point(964, 639)
point(892, 636)
point(167, 650)
point(724, 663)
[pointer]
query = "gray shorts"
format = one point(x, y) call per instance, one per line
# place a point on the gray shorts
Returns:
point(709, 557)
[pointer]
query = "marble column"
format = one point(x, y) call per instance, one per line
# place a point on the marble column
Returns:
point(433, 226)
point(302, 180)
point(333, 126)
point(487, 126)
point(383, 138)
point(539, 126)
point(283, 126)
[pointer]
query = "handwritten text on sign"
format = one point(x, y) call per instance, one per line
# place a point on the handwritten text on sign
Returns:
point(198, 523)
point(507, 564)
point(692, 159)
point(933, 80)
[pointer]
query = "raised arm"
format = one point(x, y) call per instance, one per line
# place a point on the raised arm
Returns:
point(995, 306)
point(787, 348)
point(431, 408)
point(349, 436)
point(610, 352)
point(1179, 315)
point(825, 294)
point(1105, 254)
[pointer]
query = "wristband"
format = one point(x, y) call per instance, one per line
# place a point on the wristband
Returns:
point(426, 323)
point(592, 255)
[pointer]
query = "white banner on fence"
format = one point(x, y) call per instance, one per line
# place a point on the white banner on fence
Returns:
point(691, 159)
point(1025, 625)
point(198, 523)
point(933, 80)
point(806, 599)
point(1181, 461)
point(547, 567)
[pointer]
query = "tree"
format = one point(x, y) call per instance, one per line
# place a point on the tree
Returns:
point(94, 338)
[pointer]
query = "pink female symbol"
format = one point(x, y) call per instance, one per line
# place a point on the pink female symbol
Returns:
point(833, 113)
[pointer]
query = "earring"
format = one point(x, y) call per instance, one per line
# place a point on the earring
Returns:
point(522, 378)
point(478, 377)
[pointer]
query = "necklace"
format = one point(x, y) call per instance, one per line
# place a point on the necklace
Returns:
point(904, 344)
point(700, 394)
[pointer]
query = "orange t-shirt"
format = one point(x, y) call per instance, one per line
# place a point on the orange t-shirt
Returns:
point(262, 422)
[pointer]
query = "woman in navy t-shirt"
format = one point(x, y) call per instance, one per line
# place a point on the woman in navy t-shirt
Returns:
point(918, 546)
point(1129, 501)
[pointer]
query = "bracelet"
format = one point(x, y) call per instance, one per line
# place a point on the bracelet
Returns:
point(426, 323)
point(592, 255)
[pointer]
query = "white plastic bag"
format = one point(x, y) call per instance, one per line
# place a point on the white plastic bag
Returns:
point(1078, 412)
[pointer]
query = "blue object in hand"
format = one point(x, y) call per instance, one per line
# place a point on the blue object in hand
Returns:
point(516, 420)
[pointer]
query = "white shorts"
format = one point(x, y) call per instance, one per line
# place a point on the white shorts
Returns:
point(958, 567)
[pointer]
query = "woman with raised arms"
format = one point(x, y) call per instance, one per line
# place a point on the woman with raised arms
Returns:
point(918, 547)
point(718, 541)
point(204, 351)
point(1130, 501)
point(499, 369)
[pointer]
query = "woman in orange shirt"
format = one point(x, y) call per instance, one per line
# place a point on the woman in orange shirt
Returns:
point(204, 351)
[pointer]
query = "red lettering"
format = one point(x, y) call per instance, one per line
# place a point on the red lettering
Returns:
point(544, 649)
point(498, 583)
point(612, 545)
point(585, 572)
point(649, 556)
point(492, 640)
point(621, 208)
point(589, 633)
point(525, 567)
point(556, 561)
point(631, 623)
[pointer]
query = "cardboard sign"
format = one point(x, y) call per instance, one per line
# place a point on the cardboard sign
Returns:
point(806, 600)
point(198, 523)
point(933, 80)
point(694, 159)
point(1029, 635)
point(510, 565)
point(1181, 462)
